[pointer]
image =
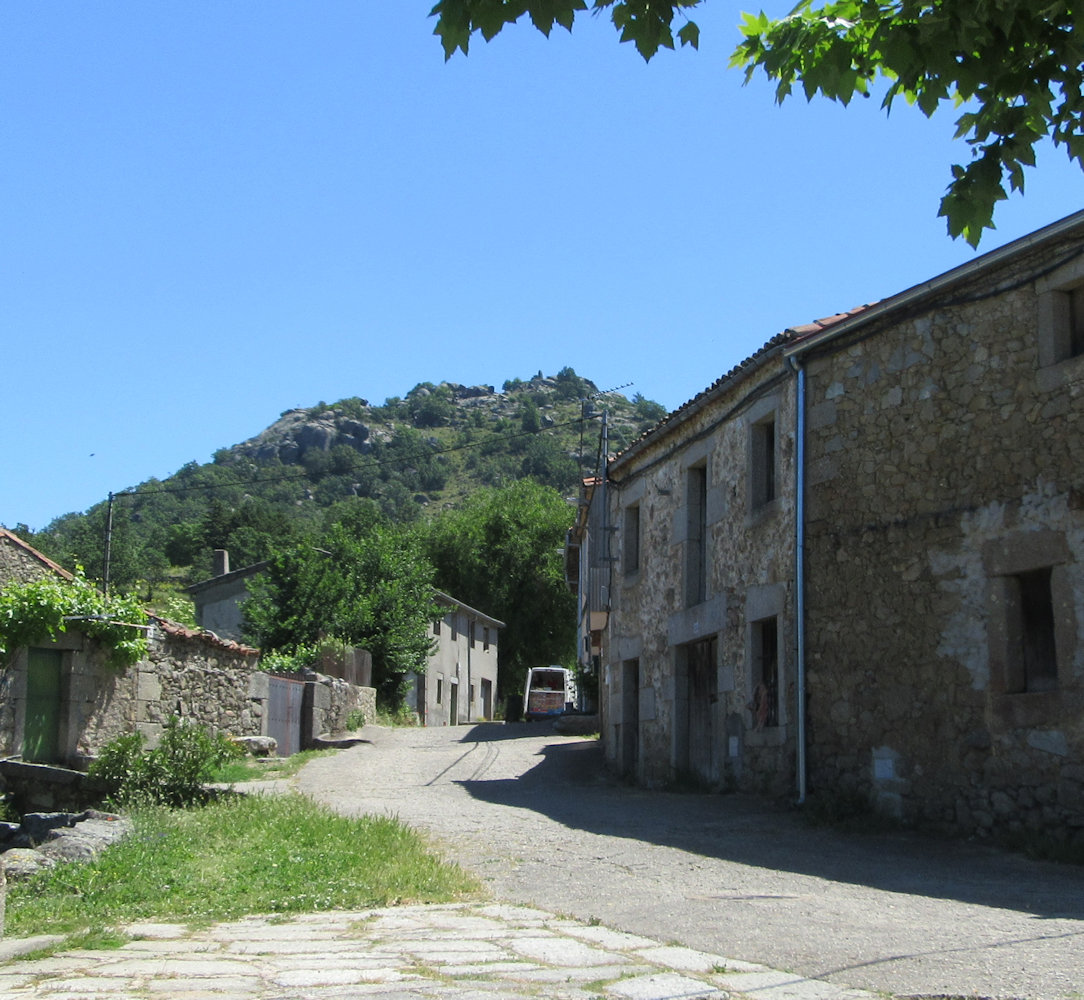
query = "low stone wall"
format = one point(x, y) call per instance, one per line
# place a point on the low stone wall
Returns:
point(334, 700)
point(187, 674)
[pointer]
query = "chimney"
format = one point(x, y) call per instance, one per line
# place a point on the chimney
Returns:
point(222, 562)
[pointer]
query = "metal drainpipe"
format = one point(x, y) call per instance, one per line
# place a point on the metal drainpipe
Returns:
point(799, 573)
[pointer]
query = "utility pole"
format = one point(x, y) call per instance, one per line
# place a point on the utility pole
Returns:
point(108, 546)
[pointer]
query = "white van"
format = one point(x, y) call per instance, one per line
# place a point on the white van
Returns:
point(550, 691)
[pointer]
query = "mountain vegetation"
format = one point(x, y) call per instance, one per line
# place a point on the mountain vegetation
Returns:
point(415, 456)
point(360, 510)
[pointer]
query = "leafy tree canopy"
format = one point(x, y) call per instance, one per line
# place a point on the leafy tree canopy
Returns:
point(363, 581)
point(1014, 67)
point(501, 552)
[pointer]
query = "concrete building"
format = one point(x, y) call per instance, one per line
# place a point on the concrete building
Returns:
point(852, 566)
point(218, 599)
point(460, 684)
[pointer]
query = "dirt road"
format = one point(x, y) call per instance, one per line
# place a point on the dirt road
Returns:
point(532, 814)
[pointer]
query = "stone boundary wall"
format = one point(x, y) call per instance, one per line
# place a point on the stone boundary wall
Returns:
point(192, 675)
point(334, 699)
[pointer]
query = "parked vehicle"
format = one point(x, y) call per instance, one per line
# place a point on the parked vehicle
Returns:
point(550, 691)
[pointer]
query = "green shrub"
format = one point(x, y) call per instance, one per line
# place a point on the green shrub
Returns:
point(355, 720)
point(171, 774)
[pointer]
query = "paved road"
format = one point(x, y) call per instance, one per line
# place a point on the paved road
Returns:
point(531, 813)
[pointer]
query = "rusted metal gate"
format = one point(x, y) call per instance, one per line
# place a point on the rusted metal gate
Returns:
point(284, 699)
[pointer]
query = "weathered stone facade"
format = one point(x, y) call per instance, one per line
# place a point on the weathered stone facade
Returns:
point(698, 682)
point(189, 674)
point(20, 563)
point(944, 473)
point(943, 522)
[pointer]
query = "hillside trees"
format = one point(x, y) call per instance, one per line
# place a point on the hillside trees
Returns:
point(362, 580)
point(502, 554)
point(1014, 68)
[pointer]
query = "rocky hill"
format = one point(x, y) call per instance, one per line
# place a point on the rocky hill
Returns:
point(414, 454)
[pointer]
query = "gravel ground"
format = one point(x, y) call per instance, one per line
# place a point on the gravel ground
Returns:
point(533, 815)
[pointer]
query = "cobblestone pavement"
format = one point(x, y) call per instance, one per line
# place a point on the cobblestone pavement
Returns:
point(464, 952)
point(531, 813)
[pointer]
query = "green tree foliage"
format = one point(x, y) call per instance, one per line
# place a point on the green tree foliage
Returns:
point(164, 531)
point(647, 411)
point(1014, 67)
point(39, 610)
point(174, 773)
point(502, 553)
point(363, 581)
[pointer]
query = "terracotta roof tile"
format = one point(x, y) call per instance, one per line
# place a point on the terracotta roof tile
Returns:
point(183, 632)
point(790, 335)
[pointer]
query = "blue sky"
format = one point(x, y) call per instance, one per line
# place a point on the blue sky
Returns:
point(215, 211)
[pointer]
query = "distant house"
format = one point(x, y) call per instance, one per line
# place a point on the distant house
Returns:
point(460, 682)
point(218, 599)
point(854, 566)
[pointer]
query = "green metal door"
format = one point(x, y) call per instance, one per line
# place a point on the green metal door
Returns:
point(41, 729)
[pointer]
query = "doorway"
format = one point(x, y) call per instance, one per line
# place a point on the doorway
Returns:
point(41, 726)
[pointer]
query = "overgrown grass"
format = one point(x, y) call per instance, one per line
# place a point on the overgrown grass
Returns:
point(250, 769)
point(240, 855)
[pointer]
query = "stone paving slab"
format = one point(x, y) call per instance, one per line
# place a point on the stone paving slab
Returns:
point(457, 952)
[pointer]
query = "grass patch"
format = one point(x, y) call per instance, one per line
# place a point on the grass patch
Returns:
point(235, 856)
point(250, 769)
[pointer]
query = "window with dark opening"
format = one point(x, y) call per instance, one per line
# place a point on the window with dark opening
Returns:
point(1034, 667)
point(696, 545)
point(765, 664)
point(763, 471)
point(631, 553)
point(1076, 321)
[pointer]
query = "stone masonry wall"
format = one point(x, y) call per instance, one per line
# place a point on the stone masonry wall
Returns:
point(750, 558)
point(18, 563)
point(333, 701)
point(944, 457)
point(187, 676)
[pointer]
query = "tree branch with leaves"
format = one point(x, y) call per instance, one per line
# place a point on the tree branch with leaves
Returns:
point(1014, 69)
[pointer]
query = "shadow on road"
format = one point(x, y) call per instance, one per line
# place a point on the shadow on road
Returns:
point(570, 786)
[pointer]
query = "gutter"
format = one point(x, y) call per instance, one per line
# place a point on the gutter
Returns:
point(800, 761)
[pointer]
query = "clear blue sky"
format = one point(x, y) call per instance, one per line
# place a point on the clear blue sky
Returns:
point(214, 211)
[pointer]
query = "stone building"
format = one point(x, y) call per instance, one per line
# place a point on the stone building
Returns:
point(61, 699)
point(460, 682)
point(218, 599)
point(945, 538)
point(699, 678)
point(921, 456)
point(21, 562)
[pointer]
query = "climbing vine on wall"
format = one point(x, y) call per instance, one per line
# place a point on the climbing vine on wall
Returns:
point(42, 609)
